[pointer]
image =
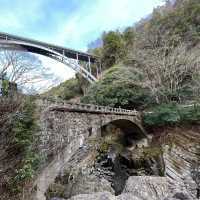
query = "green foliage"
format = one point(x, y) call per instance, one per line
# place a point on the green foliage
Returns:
point(152, 152)
point(119, 87)
point(113, 48)
point(5, 85)
point(161, 115)
point(24, 128)
point(29, 166)
point(190, 114)
point(66, 90)
point(185, 18)
point(171, 114)
point(72, 89)
point(102, 144)
point(129, 37)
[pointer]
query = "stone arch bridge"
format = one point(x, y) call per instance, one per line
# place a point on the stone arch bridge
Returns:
point(65, 127)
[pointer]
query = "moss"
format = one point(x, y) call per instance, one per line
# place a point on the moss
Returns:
point(152, 152)
point(5, 86)
point(102, 144)
point(103, 147)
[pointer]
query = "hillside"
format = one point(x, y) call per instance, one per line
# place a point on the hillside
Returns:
point(162, 56)
point(66, 90)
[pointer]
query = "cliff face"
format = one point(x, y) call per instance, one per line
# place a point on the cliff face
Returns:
point(163, 166)
point(182, 155)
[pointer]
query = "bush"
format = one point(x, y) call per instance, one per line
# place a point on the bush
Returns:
point(171, 114)
point(113, 48)
point(5, 86)
point(24, 139)
point(120, 87)
point(24, 126)
point(66, 90)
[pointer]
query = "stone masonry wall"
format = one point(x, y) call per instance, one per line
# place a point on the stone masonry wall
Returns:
point(62, 133)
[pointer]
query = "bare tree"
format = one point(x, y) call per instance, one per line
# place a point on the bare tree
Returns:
point(23, 68)
point(169, 68)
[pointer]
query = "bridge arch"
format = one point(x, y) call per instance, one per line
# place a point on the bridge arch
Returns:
point(129, 129)
point(68, 57)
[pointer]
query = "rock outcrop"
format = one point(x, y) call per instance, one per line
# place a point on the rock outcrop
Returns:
point(148, 194)
point(116, 166)
point(181, 156)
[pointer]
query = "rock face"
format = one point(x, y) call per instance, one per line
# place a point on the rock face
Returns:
point(105, 196)
point(181, 156)
point(124, 168)
point(156, 188)
point(148, 187)
point(139, 188)
point(86, 184)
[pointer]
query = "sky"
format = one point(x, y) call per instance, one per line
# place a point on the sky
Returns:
point(70, 23)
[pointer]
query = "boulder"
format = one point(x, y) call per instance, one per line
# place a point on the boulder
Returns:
point(147, 187)
point(86, 184)
point(128, 196)
point(94, 196)
point(105, 196)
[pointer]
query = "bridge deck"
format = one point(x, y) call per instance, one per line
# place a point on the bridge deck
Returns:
point(88, 108)
point(70, 53)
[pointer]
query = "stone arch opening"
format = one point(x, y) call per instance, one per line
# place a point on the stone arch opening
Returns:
point(126, 130)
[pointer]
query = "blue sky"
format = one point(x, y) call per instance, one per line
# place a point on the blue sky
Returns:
point(70, 23)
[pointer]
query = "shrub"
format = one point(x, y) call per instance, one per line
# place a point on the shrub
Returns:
point(24, 139)
point(120, 87)
point(66, 90)
point(171, 114)
point(24, 125)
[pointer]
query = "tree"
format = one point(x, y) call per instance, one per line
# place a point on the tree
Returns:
point(113, 48)
point(119, 87)
point(171, 71)
point(23, 68)
point(129, 37)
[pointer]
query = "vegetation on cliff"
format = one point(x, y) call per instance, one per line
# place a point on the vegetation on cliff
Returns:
point(20, 158)
point(24, 139)
point(171, 114)
point(66, 90)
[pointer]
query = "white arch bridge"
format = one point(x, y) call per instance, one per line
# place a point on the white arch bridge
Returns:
point(79, 61)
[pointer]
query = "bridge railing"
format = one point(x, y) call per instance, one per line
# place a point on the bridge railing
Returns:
point(79, 107)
